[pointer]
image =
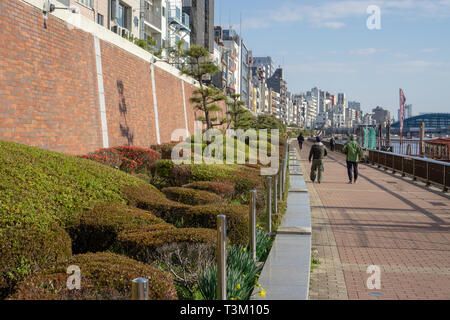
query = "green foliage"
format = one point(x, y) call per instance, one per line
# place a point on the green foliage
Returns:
point(241, 276)
point(191, 196)
point(223, 189)
point(25, 249)
point(148, 246)
point(205, 98)
point(164, 167)
point(43, 188)
point(97, 229)
point(105, 276)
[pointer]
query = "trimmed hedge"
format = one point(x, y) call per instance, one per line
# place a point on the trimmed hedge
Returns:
point(191, 196)
point(104, 276)
point(223, 189)
point(149, 246)
point(192, 216)
point(42, 187)
point(206, 217)
point(97, 229)
point(25, 249)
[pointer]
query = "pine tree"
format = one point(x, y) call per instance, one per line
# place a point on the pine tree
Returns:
point(206, 98)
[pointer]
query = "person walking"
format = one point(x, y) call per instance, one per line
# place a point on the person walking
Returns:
point(332, 143)
point(300, 140)
point(354, 155)
point(317, 153)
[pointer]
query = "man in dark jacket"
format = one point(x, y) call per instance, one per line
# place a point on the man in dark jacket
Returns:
point(317, 153)
point(332, 143)
point(300, 140)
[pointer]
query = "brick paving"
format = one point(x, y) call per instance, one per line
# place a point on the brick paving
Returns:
point(383, 220)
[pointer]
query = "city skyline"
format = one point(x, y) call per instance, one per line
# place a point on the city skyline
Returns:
point(328, 45)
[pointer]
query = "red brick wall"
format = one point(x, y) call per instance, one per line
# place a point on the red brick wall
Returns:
point(48, 87)
point(49, 95)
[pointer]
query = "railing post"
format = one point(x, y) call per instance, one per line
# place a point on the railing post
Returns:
point(379, 163)
point(275, 194)
point(139, 289)
point(403, 166)
point(393, 163)
point(280, 186)
point(269, 205)
point(252, 229)
point(221, 257)
point(414, 170)
point(445, 179)
point(428, 173)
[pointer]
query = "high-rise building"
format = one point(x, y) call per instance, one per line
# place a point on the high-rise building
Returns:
point(354, 105)
point(408, 112)
point(201, 22)
point(265, 63)
point(277, 83)
point(380, 115)
point(341, 99)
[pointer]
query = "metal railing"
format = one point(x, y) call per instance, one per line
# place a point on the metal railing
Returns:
point(427, 170)
point(153, 17)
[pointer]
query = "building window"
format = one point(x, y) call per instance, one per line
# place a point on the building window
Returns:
point(87, 3)
point(100, 19)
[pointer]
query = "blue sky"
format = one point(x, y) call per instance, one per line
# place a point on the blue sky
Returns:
point(326, 43)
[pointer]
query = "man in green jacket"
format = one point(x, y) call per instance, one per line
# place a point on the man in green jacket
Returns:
point(317, 153)
point(354, 155)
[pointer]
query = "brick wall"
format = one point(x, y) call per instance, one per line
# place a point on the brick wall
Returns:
point(49, 94)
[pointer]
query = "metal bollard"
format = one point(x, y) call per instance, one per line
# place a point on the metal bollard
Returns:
point(221, 257)
point(269, 204)
point(275, 195)
point(139, 289)
point(252, 229)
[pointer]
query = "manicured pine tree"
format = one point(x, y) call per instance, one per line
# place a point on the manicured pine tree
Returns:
point(199, 66)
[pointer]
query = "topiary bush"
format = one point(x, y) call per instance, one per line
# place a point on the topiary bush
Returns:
point(148, 246)
point(104, 276)
point(223, 189)
point(206, 217)
point(191, 196)
point(25, 249)
point(186, 216)
point(97, 229)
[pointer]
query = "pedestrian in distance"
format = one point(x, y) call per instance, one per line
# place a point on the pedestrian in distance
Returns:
point(354, 155)
point(316, 155)
point(332, 143)
point(300, 140)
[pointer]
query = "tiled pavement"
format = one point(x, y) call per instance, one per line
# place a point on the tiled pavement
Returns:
point(383, 220)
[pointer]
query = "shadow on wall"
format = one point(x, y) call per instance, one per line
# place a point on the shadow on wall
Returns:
point(124, 129)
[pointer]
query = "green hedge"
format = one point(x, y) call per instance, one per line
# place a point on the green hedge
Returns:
point(191, 196)
point(25, 249)
point(192, 216)
point(104, 276)
point(223, 189)
point(151, 245)
point(97, 229)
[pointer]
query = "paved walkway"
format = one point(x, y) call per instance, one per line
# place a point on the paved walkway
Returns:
point(382, 220)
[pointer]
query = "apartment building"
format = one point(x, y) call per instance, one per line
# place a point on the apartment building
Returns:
point(201, 22)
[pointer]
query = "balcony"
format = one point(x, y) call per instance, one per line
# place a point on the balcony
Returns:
point(179, 18)
point(153, 18)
